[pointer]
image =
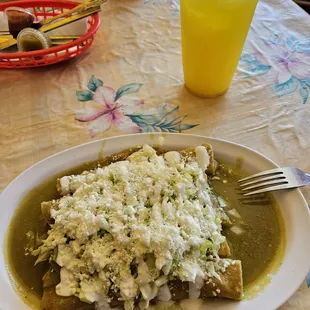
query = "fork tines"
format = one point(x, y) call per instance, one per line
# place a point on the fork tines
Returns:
point(270, 180)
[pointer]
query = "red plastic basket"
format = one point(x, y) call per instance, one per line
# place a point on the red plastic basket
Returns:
point(45, 57)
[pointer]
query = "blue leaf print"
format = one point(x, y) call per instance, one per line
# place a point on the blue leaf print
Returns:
point(94, 83)
point(247, 57)
point(176, 121)
point(287, 87)
point(186, 127)
point(150, 116)
point(169, 117)
point(146, 117)
point(160, 112)
point(304, 92)
point(304, 89)
point(256, 69)
point(165, 121)
point(84, 95)
point(251, 66)
point(299, 45)
point(127, 89)
point(305, 82)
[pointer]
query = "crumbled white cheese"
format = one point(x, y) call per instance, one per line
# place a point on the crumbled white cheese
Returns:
point(234, 213)
point(68, 283)
point(193, 290)
point(164, 293)
point(237, 230)
point(202, 157)
point(128, 288)
point(144, 275)
point(129, 225)
point(91, 289)
point(64, 185)
point(173, 158)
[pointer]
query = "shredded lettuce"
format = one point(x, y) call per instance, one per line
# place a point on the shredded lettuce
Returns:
point(207, 246)
point(84, 299)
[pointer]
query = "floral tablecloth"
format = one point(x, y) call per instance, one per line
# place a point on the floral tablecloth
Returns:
point(131, 81)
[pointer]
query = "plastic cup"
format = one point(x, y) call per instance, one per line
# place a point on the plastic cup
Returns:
point(213, 35)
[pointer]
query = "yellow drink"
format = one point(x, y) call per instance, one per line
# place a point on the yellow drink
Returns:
point(213, 35)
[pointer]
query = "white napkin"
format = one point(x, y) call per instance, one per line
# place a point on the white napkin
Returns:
point(3, 22)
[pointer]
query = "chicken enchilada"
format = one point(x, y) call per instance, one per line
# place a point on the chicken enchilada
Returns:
point(144, 227)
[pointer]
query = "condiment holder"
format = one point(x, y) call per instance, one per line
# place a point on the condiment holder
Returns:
point(30, 39)
point(30, 20)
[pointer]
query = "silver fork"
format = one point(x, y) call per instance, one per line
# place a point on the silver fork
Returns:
point(273, 180)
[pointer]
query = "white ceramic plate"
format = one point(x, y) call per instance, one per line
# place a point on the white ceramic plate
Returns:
point(294, 208)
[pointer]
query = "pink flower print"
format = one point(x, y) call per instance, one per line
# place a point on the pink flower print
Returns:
point(286, 63)
point(296, 64)
point(284, 59)
point(105, 107)
point(105, 111)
